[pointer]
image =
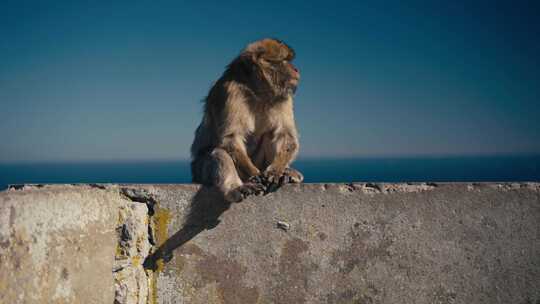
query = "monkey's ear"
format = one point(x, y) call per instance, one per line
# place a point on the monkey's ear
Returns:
point(249, 58)
point(247, 63)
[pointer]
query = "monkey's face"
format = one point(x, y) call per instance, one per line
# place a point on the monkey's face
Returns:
point(282, 75)
point(271, 60)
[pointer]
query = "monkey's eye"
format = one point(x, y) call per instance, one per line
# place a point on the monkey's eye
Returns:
point(269, 62)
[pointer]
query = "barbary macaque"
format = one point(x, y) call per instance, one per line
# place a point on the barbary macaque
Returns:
point(247, 138)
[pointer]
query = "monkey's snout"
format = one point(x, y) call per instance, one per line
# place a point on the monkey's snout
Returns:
point(295, 77)
point(295, 71)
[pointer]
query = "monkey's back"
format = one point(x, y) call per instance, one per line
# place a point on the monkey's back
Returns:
point(206, 138)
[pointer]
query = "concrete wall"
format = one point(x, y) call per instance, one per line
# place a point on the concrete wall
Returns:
point(310, 243)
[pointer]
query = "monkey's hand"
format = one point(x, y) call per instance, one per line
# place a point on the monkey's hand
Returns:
point(289, 175)
point(273, 176)
point(273, 179)
point(294, 175)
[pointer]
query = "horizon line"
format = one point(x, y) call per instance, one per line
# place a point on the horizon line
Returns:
point(301, 158)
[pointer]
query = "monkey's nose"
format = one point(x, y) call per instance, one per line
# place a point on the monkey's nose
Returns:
point(295, 72)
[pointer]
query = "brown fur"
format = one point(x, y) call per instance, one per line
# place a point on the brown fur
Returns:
point(247, 138)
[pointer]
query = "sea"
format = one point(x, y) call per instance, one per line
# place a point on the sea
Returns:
point(398, 169)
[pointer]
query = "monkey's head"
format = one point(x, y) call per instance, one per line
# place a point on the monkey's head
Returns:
point(267, 65)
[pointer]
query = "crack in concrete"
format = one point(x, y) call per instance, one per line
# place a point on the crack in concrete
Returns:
point(135, 283)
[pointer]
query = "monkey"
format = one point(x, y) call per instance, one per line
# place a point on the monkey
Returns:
point(248, 138)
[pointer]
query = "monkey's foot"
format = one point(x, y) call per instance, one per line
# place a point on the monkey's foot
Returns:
point(240, 193)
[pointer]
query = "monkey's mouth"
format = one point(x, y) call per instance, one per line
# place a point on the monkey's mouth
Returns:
point(293, 84)
point(292, 89)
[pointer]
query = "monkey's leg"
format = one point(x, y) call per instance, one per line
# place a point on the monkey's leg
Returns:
point(263, 152)
point(266, 152)
point(279, 152)
point(236, 148)
point(221, 172)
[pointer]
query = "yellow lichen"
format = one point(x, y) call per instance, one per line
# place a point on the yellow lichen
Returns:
point(152, 281)
point(161, 221)
point(136, 260)
point(160, 265)
point(152, 286)
point(119, 251)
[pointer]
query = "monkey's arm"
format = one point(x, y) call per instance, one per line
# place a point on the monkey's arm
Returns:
point(235, 146)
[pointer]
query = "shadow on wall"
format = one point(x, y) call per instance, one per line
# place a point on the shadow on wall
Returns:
point(206, 207)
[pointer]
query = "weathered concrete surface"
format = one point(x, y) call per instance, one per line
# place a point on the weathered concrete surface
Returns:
point(57, 245)
point(426, 243)
point(356, 243)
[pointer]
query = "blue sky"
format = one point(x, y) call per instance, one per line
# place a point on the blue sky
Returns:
point(124, 81)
